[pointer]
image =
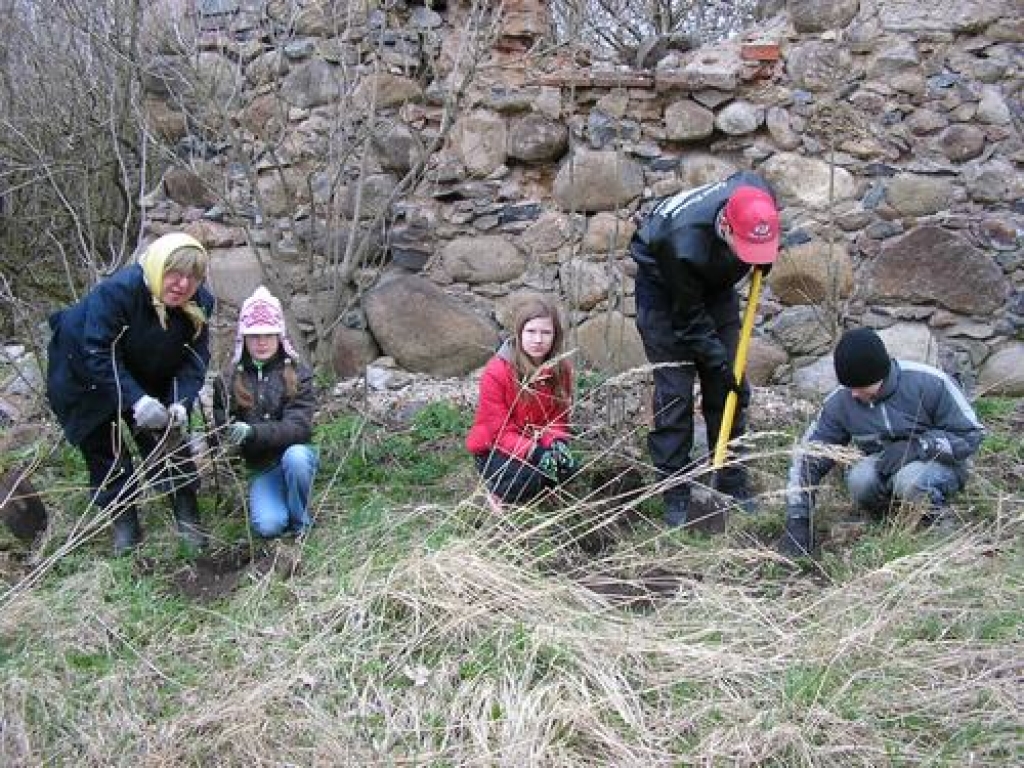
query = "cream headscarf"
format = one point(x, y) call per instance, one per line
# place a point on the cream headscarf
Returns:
point(153, 261)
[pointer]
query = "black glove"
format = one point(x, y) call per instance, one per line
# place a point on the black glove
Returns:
point(563, 457)
point(897, 455)
point(934, 448)
point(726, 375)
point(719, 384)
point(546, 460)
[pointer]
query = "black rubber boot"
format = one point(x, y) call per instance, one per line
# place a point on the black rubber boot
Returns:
point(127, 532)
point(796, 539)
point(677, 510)
point(186, 517)
point(735, 483)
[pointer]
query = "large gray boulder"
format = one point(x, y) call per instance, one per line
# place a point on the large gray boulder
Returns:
point(536, 138)
point(480, 139)
point(234, 274)
point(922, 16)
point(584, 283)
point(1003, 372)
point(383, 90)
point(911, 341)
point(688, 121)
point(929, 264)
point(817, 65)
point(427, 331)
point(611, 343)
point(764, 359)
point(487, 259)
point(598, 181)
point(351, 350)
point(807, 179)
point(606, 234)
point(821, 15)
point(918, 195)
point(812, 273)
point(312, 84)
point(803, 330)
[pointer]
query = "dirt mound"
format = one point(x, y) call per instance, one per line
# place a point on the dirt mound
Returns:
point(216, 575)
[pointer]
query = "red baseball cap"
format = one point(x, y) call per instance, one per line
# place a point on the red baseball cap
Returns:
point(754, 220)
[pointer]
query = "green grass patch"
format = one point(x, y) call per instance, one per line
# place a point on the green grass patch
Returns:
point(417, 628)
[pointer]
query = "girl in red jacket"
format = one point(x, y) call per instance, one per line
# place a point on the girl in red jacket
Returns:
point(520, 436)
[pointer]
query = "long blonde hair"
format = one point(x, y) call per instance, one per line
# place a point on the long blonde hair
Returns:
point(526, 370)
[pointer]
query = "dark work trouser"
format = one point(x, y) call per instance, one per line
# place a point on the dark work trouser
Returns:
point(511, 479)
point(167, 463)
point(671, 440)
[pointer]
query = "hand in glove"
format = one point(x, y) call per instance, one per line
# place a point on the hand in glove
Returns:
point(238, 431)
point(934, 448)
point(149, 413)
point(564, 459)
point(177, 415)
point(895, 456)
point(546, 461)
point(719, 384)
point(728, 379)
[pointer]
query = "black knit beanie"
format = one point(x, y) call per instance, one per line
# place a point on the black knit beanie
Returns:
point(861, 358)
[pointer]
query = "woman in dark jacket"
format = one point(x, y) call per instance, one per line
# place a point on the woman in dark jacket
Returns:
point(265, 406)
point(520, 435)
point(136, 348)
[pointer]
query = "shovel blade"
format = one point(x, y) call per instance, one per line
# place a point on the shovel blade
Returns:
point(709, 511)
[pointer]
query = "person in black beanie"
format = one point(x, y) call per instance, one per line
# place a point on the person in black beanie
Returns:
point(913, 424)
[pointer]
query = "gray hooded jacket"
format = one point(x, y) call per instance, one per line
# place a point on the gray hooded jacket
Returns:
point(915, 400)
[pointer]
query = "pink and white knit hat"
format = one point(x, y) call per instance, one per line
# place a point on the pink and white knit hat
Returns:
point(261, 314)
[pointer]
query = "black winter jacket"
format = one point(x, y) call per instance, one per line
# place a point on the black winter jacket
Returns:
point(277, 422)
point(109, 349)
point(679, 254)
point(915, 400)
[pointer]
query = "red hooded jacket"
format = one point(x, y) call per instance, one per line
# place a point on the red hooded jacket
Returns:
point(516, 419)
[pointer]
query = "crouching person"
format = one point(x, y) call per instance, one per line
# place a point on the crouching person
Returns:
point(136, 348)
point(911, 421)
point(264, 407)
point(520, 435)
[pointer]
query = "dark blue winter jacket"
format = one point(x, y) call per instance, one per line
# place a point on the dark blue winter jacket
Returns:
point(109, 349)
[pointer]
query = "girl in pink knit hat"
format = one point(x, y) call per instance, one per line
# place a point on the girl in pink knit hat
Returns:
point(264, 405)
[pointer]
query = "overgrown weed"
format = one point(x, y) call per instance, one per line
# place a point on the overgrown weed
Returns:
point(417, 628)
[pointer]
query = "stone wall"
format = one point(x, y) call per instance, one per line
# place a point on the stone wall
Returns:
point(890, 129)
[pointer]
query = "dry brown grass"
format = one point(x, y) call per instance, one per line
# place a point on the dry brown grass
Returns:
point(469, 654)
point(445, 636)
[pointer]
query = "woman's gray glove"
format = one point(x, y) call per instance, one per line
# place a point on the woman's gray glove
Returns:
point(149, 413)
point(178, 415)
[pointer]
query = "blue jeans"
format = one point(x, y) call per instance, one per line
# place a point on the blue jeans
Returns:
point(918, 480)
point(279, 497)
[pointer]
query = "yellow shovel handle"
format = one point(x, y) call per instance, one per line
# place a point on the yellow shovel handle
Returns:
point(738, 367)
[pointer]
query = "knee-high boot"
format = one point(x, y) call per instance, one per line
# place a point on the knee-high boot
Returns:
point(186, 518)
point(127, 531)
